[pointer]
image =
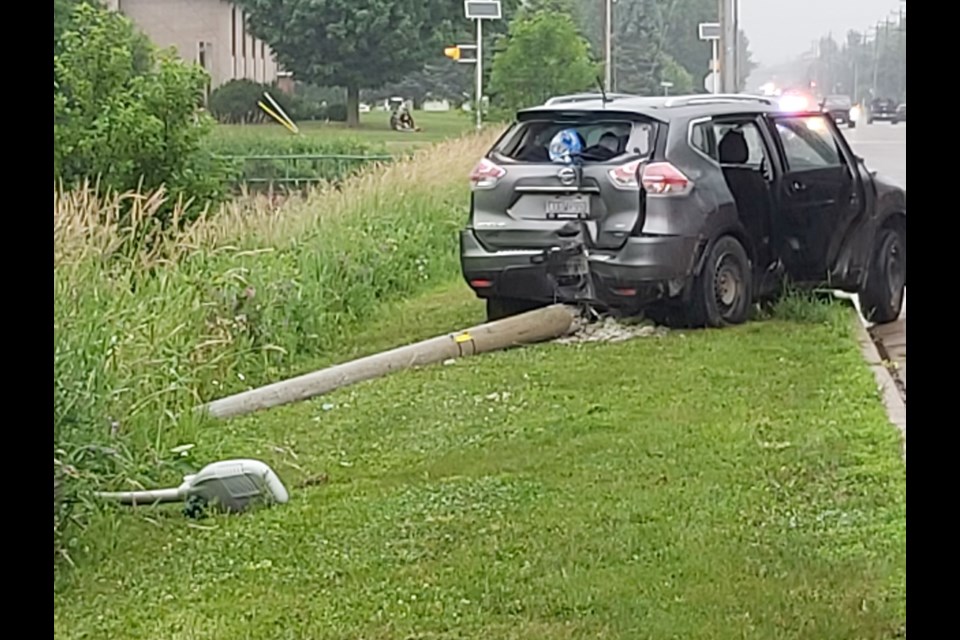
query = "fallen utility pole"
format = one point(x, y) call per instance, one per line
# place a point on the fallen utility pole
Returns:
point(527, 328)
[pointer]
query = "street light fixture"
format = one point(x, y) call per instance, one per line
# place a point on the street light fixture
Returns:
point(480, 10)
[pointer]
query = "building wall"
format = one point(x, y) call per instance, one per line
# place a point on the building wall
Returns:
point(208, 32)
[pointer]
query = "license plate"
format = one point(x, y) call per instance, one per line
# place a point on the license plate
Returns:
point(568, 208)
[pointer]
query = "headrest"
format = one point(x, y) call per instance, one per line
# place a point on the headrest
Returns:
point(733, 148)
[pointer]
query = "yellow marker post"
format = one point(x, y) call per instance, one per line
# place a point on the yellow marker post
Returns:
point(280, 111)
point(276, 117)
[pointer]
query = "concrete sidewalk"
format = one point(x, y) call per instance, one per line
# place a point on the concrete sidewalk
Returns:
point(892, 339)
point(882, 345)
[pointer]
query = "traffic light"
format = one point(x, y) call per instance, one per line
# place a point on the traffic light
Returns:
point(452, 52)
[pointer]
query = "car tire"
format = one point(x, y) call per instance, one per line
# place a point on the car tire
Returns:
point(500, 308)
point(881, 298)
point(722, 294)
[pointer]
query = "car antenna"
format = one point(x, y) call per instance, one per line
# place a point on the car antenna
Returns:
point(603, 92)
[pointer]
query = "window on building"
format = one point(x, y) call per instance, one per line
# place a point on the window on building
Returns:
point(203, 54)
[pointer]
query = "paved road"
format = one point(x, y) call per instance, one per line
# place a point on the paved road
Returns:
point(884, 147)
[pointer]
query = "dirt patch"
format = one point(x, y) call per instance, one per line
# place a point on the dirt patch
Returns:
point(609, 329)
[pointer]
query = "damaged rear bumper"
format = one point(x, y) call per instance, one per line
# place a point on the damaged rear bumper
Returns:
point(645, 269)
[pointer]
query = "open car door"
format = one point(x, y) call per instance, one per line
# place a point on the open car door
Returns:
point(820, 199)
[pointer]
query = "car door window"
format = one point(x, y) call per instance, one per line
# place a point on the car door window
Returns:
point(755, 148)
point(808, 143)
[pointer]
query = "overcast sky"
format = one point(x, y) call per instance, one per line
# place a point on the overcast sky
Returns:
point(778, 30)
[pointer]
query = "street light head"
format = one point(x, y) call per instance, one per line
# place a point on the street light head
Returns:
point(452, 52)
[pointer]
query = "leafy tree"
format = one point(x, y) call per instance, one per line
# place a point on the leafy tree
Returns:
point(542, 55)
point(127, 115)
point(672, 71)
point(863, 68)
point(636, 54)
point(356, 44)
point(747, 65)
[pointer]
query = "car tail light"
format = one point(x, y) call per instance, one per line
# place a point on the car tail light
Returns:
point(486, 174)
point(664, 179)
point(625, 176)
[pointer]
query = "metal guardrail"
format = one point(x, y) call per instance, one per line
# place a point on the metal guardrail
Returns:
point(297, 170)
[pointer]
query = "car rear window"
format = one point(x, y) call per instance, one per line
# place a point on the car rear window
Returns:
point(603, 139)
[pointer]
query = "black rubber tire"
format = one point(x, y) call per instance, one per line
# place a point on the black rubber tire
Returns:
point(722, 294)
point(499, 308)
point(881, 298)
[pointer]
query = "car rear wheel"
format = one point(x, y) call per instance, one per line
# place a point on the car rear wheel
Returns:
point(722, 294)
point(881, 298)
point(499, 308)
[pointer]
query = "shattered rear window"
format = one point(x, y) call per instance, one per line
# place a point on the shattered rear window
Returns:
point(603, 139)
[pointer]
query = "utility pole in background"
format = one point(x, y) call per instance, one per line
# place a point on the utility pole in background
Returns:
point(901, 54)
point(728, 45)
point(607, 45)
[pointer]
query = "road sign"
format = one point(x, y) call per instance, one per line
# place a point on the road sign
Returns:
point(482, 9)
point(709, 30)
point(710, 82)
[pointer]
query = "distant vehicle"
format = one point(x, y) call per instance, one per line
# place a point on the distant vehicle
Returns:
point(687, 208)
point(901, 114)
point(841, 109)
point(882, 109)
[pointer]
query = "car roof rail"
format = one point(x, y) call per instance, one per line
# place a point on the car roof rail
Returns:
point(583, 97)
point(717, 98)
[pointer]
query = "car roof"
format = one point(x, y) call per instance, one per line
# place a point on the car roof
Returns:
point(661, 108)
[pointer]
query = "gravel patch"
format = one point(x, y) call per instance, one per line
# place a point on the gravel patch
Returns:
point(609, 329)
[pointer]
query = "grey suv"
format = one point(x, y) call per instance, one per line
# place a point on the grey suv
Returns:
point(688, 208)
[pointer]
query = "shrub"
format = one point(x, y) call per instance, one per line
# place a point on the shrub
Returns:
point(306, 110)
point(127, 115)
point(239, 298)
point(337, 113)
point(236, 102)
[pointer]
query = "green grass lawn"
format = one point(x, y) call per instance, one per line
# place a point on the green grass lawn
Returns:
point(374, 128)
point(741, 483)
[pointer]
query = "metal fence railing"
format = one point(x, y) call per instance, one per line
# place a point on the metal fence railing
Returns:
point(295, 171)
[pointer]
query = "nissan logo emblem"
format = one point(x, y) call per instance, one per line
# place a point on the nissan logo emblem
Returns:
point(567, 175)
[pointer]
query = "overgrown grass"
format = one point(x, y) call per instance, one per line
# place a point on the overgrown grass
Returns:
point(741, 483)
point(260, 161)
point(374, 130)
point(146, 324)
